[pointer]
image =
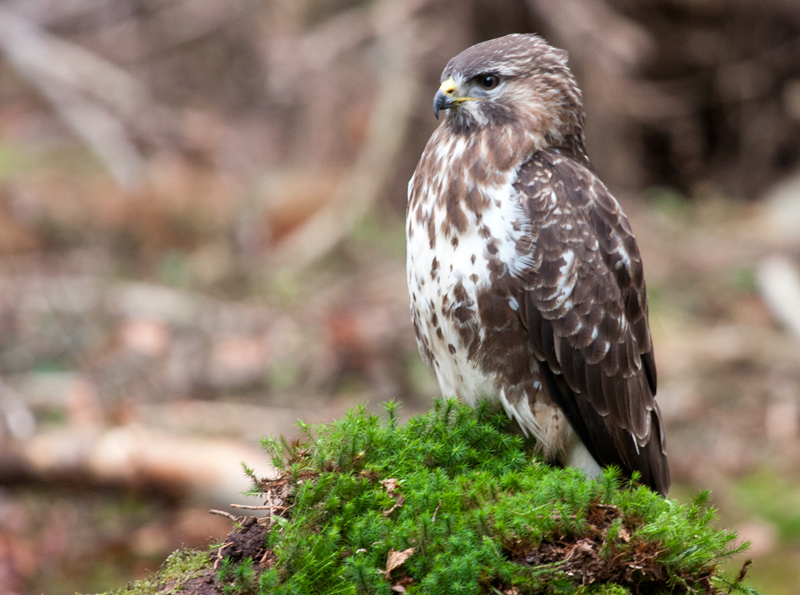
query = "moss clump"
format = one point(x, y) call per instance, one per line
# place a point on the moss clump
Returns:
point(450, 503)
point(179, 570)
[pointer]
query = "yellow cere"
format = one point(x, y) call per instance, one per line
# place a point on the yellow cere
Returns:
point(448, 87)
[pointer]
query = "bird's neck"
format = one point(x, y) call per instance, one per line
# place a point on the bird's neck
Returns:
point(571, 146)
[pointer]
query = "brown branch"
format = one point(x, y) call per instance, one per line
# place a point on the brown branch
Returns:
point(81, 87)
point(227, 515)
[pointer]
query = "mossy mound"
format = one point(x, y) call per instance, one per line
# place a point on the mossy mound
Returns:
point(449, 503)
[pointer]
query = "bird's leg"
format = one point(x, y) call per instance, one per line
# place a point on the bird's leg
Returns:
point(578, 456)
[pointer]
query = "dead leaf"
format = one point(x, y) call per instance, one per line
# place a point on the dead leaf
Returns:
point(395, 559)
point(390, 485)
point(397, 504)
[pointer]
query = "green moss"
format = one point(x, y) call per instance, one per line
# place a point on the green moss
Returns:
point(481, 512)
point(451, 503)
point(179, 567)
point(184, 565)
point(237, 578)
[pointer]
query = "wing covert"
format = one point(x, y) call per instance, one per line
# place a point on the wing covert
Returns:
point(584, 303)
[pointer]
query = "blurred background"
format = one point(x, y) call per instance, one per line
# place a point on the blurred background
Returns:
point(202, 241)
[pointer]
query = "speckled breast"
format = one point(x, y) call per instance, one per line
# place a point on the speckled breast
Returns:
point(461, 263)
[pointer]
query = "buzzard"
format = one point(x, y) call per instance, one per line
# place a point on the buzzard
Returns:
point(526, 283)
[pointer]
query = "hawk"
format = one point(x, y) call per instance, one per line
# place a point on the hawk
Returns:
point(525, 280)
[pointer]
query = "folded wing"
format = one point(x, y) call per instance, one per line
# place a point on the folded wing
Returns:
point(584, 304)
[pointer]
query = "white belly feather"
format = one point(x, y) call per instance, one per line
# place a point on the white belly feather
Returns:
point(466, 265)
point(434, 273)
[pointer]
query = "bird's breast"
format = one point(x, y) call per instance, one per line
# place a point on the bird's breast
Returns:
point(463, 248)
point(467, 243)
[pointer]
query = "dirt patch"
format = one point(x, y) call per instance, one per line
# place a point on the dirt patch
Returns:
point(205, 584)
point(596, 558)
point(248, 541)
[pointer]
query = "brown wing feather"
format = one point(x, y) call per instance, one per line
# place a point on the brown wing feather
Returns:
point(584, 303)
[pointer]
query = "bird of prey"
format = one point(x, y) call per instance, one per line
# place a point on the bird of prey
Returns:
point(525, 280)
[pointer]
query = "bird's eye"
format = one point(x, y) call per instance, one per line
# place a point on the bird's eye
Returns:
point(489, 81)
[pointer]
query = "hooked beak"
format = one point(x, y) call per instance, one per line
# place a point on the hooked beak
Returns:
point(445, 97)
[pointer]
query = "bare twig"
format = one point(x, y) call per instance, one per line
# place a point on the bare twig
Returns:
point(227, 515)
point(81, 86)
point(296, 58)
point(389, 123)
point(615, 42)
point(219, 553)
point(433, 518)
point(269, 507)
point(47, 12)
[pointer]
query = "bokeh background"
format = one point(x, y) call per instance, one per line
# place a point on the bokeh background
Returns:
point(201, 241)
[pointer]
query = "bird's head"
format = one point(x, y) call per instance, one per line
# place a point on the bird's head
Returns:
point(518, 82)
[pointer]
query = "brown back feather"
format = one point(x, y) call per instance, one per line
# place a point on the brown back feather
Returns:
point(596, 343)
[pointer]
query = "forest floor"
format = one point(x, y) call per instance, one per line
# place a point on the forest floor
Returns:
point(138, 379)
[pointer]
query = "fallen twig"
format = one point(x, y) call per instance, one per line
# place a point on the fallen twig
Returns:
point(227, 515)
point(263, 507)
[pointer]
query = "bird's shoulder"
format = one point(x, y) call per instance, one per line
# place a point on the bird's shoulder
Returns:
point(586, 281)
point(586, 275)
point(583, 247)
